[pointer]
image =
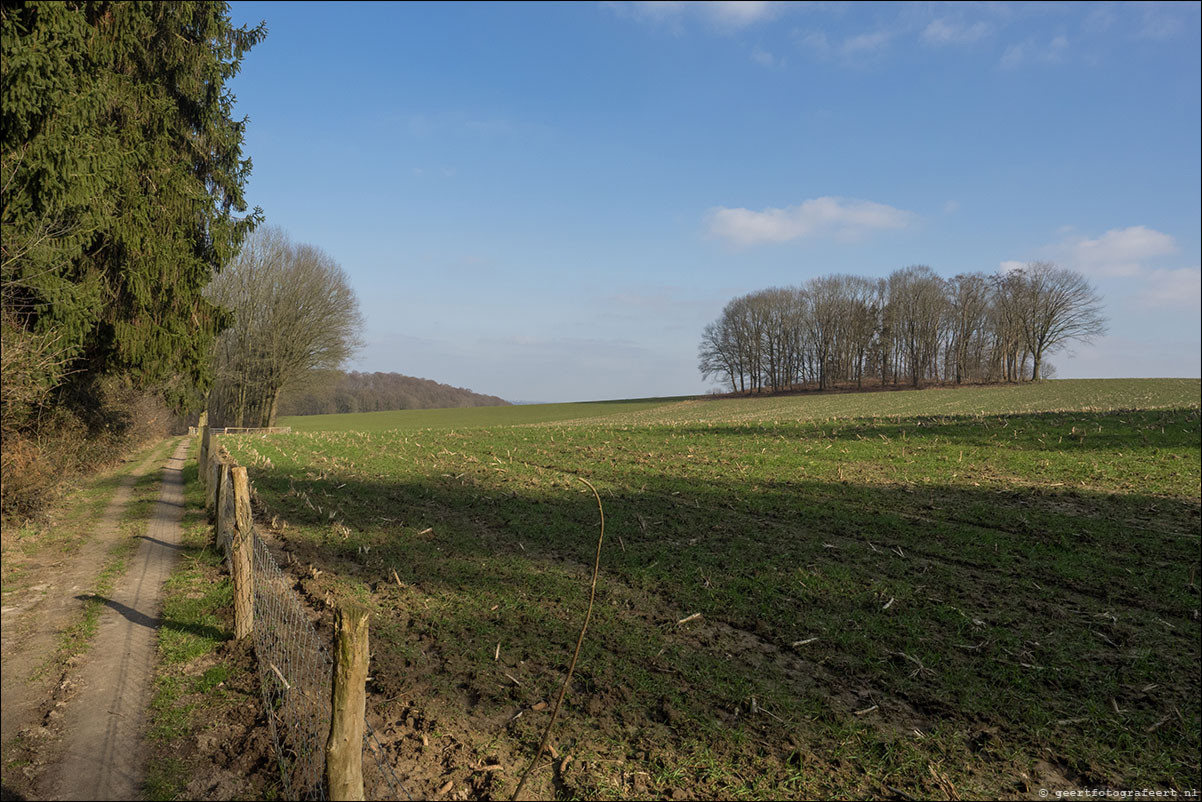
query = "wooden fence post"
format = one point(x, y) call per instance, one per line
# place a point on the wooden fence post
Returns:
point(213, 490)
point(223, 501)
point(202, 461)
point(344, 749)
point(241, 555)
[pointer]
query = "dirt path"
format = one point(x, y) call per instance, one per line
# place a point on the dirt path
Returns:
point(32, 623)
point(102, 754)
point(99, 705)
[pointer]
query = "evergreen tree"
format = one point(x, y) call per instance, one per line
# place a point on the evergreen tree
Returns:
point(122, 175)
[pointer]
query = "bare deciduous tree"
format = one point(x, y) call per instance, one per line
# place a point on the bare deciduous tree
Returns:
point(862, 323)
point(917, 296)
point(1010, 356)
point(839, 328)
point(1058, 306)
point(969, 297)
point(719, 355)
point(825, 319)
point(293, 312)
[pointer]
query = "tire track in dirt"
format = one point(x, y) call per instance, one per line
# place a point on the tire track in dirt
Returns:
point(102, 755)
point(32, 626)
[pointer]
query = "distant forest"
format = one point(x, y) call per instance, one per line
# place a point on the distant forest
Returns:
point(338, 392)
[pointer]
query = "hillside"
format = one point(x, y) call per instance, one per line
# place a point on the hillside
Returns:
point(341, 392)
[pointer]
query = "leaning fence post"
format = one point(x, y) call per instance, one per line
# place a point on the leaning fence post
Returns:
point(344, 749)
point(241, 555)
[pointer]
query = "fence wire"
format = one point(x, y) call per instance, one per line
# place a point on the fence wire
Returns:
point(295, 675)
point(384, 773)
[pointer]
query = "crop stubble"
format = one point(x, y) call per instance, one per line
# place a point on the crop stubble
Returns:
point(979, 599)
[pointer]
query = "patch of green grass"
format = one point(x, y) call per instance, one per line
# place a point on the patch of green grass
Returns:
point(410, 419)
point(164, 779)
point(1087, 395)
point(930, 590)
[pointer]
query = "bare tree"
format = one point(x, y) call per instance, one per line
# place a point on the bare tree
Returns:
point(969, 296)
point(1059, 306)
point(293, 312)
point(783, 311)
point(718, 354)
point(834, 328)
point(1009, 298)
point(862, 322)
point(919, 310)
point(826, 312)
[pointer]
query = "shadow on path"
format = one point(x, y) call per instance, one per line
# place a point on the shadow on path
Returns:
point(152, 622)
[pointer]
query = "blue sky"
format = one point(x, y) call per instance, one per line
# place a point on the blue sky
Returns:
point(549, 201)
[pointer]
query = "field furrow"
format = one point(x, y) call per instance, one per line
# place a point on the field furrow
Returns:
point(800, 597)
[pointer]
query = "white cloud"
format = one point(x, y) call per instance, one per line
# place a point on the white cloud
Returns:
point(1180, 289)
point(1099, 19)
point(649, 10)
point(814, 41)
point(739, 13)
point(1118, 252)
point(1166, 20)
point(945, 32)
point(1129, 253)
point(1011, 265)
point(725, 15)
point(851, 50)
point(843, 219)
point(765, 58)
point(1032, 51)
point(951, 207)
point(1015, 55)
point(866, 42)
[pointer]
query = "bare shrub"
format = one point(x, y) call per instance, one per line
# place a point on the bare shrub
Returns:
point(59, 444)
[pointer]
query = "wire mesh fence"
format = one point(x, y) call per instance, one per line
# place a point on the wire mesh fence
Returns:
point(383, 776)
point(295, 670)
point(294, 673)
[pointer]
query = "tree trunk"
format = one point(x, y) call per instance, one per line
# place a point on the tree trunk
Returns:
point(240, 417)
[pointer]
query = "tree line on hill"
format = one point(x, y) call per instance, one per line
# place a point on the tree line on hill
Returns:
point(339, 392)
point(293, 322)
point(912, 327)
